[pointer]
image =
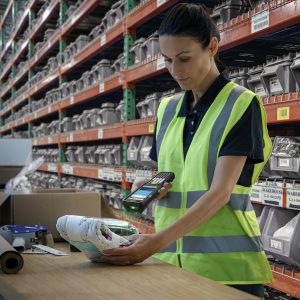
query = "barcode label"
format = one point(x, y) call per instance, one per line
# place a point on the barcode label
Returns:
point(151, 128)
point(283, 113)
point(52, 167)
point(160, 2)
point(49, 109)
point(103, 40)
point(284, 162)
point(66, 169)
point(101, 87)
point(160, 64)
point(260, 21)
point(100, 174)
point(275, 244)
point(72, 100)
point(50, 140)
point(293, 196)
point(100, 134)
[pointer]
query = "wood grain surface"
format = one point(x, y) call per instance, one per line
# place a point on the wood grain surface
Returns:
point(46, 277)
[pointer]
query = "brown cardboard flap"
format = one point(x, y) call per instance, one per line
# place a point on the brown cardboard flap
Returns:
point(3, 197)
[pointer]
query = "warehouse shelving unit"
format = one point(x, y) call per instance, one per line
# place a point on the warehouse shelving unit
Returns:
point(275, 16)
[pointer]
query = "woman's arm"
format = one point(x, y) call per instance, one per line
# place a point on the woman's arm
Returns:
point(226, 175)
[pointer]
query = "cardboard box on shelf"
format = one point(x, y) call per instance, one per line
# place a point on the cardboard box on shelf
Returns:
point(46, 206)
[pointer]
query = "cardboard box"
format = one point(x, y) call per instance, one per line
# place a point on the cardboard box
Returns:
point(7, 173)
point(46, 206)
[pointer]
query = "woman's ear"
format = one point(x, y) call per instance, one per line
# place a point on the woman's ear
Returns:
point(213, 46)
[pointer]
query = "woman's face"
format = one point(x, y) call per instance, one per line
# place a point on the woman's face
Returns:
point(186, 60)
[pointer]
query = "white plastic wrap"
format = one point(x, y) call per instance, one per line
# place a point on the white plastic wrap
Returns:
point(89, 235)
point(20, 184)
point(286, 232)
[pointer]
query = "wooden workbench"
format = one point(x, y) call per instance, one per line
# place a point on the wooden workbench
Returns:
point(46, 277)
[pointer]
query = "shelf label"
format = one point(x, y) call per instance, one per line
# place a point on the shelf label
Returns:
point(50, 140)
point(100, 133)
point(100, 174)
point(70, 138)
point(72, 100)
point(101, 87)
point(272, 193)
point(46, 13)
point(284, 162)
point(275, 244)
point(151, 128)
point(67, 169)
point(283, 113)
point(34, 142)
point(118, 176)
point(160, 63)
point(35, 115)
point(275, 86)
point(293, 196)
point(160, 2)
point(23, 45)
point(49, 109)
point(260, 21)
point(256, 193)
point(52, 167)
point(103, 40)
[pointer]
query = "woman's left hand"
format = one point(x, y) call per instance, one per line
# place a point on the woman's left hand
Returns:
point(143, 247)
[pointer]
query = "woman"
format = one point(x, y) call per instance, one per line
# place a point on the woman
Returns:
point(214, 138)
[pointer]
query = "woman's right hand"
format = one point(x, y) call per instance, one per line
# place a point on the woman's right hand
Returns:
point(162, 193)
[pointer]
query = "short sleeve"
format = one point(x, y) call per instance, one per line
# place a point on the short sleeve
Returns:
point(246, 137)
point(153, 152)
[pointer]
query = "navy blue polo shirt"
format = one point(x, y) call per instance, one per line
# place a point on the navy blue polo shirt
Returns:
point(245, 138)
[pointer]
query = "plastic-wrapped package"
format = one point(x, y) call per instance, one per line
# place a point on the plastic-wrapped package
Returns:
point(20, 184)
point(286, 232)
point(90, 235)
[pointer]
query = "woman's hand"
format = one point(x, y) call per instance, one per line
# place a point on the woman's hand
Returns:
point(162, 193)
point(144, 246)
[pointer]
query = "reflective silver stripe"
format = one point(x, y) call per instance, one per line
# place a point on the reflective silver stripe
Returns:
point(168, 116)
point(236, 201)
point(224, 244)
point(218, 130)
point(240, 202)
point(193, 196)
point(172, 200)
point(170, 248)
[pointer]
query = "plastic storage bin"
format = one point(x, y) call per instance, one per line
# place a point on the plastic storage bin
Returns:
point(67, 124)
point(286, 247)
point(151, 46)
point(118, 64)
point(134, 150)
point(295, 68)
point(107, 114)
point(116, 155)
point(90, 154)
point(80, 155)
point(286, 155)
point(101, 70)
point(277, 76)
point(70, 154)
point(240, 76)
point(137, 51)
point(254, 82)
point(145, 151)
point(120, 111)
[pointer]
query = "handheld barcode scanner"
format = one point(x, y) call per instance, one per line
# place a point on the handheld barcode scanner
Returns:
point(140, 198)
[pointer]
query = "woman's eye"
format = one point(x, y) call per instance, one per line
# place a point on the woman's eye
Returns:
point(184, 59)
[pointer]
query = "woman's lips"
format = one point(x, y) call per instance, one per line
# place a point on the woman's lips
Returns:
point(183, 80)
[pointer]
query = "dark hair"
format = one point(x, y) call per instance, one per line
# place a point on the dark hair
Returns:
point(192, 20)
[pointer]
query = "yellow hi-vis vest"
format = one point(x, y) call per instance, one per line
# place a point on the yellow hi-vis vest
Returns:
point(227, 248)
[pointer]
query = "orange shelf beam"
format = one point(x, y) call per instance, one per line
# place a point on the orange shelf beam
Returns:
point(282, 108)
point(147, 11)
point(286, 281)
point(8, 8)
point(147, 69)
point(140, 127)
point(237, 31)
